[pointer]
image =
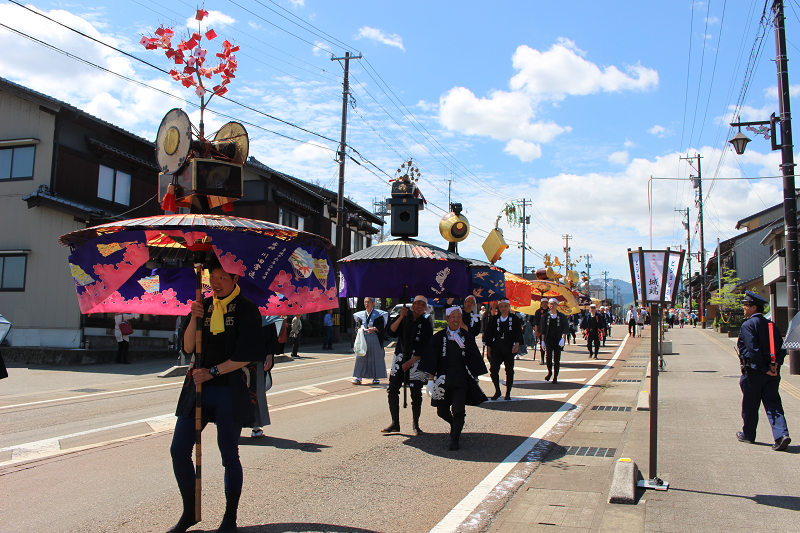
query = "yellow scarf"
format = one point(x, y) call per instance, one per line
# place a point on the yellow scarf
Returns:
point(220, 306)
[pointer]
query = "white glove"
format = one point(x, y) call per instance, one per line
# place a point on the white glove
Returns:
point(429, 389)
point(561, 342)
point(543, 346)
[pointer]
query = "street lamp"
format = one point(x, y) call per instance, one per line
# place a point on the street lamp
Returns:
point(739, 142)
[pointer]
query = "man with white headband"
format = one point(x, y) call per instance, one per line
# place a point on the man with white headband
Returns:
point(453, 365)
point(502, 341)
point(554, 328)
point(413, 338)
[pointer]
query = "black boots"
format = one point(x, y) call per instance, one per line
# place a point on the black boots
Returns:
point(416, 411)
point(228, 524)
point(455, 433)
point(509, 384)
point(496, 381)
point(187, 518)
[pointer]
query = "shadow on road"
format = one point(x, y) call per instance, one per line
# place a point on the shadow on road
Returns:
point(282, 444)
point(479, 447)
point(523, 406)
point(297, 527)
point(791, 503)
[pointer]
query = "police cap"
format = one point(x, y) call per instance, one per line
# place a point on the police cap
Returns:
point(753, 299)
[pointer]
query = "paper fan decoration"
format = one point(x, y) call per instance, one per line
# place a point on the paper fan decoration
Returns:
point(302, 262)
point(150, 284)
point(80, 277)
point(321, 269)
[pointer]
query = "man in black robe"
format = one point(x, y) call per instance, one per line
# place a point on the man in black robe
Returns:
point(554, 328)
point(593, 326)
point(231, 339)
point(470, 318)
point(453, 365)
point(413, 332)
point(502, 339)
point(537, 319)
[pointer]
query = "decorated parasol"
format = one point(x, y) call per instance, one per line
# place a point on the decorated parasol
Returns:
point(402, 268)
point(144, 265)
point(488, 284)
point(544, 289)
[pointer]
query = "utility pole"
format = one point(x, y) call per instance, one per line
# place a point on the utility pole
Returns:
point(698, 184)
point(524, 203)
point(605, 285)
point(567, 248)
point(588, 275)
point(379, 209)
point(340, 214)
point(787, 167)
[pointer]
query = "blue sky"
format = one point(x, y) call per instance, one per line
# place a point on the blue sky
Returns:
point(571, 105)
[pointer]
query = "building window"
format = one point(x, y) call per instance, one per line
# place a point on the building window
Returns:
point(17, 163)
point(114, 186)
point(289, 219)
point(12, 272)
point(356, 241)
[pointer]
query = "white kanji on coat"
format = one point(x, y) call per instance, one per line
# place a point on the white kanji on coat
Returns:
point(438, 388)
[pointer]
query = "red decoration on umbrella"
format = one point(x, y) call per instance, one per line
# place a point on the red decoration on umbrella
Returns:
point(201, 14)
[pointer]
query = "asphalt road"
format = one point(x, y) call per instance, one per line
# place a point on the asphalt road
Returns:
point(87, 449)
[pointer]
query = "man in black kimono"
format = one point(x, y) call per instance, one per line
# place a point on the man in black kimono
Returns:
point(537, 319)
point(502, 339)
point(413, 332)
point(593, 326)
point(453, 364)
point(470, 318)
point(554, 328)
point(231, 339)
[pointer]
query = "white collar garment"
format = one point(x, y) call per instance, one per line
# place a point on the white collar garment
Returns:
point(504, 319)
point(455, 337)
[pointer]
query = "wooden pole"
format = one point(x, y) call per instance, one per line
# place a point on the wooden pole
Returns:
point(198, 401)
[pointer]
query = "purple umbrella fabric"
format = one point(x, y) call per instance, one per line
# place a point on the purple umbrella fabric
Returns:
point(405, 268)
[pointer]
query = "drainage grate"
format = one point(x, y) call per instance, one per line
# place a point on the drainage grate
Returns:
point(87, 390)
point(587, 451)
point(627, 380)
point(610, 408)
point(640, 357)
point(635, 366)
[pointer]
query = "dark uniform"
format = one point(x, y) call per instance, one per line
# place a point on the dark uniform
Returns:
point(500, 337)
point(413, 339)
point(594, 326)
point(553, 331)
point(455, 369)
point(472, 322)
point(760, 378)
point(537, 318)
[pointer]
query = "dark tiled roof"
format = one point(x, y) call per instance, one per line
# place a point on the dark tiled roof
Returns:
point(43, 197)
point(121, 154)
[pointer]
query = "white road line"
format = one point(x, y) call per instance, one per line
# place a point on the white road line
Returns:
point(533, 397)
point(170, 384)
point(466, 506)
point(52, 446)
point(562, 370)
point(523, 382)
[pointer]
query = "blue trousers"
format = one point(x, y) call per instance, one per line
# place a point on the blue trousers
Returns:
point(217, 402)
point(757, 389)
point(327, 342)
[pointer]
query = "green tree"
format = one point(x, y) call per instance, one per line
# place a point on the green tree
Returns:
point(727, 298)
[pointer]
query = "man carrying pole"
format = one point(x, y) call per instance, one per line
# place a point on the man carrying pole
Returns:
point(230, 336)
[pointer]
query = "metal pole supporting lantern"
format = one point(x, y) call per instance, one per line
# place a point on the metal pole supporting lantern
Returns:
point(654, 277)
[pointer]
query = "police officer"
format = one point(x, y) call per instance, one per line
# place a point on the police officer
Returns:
point(761, 373)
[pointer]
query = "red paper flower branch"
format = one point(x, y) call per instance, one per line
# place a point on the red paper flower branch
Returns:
point(192, 56)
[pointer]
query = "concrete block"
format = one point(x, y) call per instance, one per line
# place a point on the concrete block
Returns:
point(666, 347)
point(623, 486)
point(649, 368)
point(643, 403)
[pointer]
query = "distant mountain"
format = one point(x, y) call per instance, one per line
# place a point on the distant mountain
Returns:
point(625, 289)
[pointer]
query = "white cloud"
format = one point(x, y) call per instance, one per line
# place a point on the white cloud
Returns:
point(619, 158)
point(321, 48)
point(628, 144)
point(560, 71)
point(427, 106)
point(503, 116)
point(377, 35)
point(524, 150)
point(253, 25)
point(312, 153)
point(542, 77)
point(660, 131)
point(213, 19)
point(712, 20)
point(298, 3)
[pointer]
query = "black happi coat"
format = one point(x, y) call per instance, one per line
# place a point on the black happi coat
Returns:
point(474, 328)
point(501, 336)
point(553, 328)
point(418, 338)
point(435, 362)
point(593, 323)
point(244, 341)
